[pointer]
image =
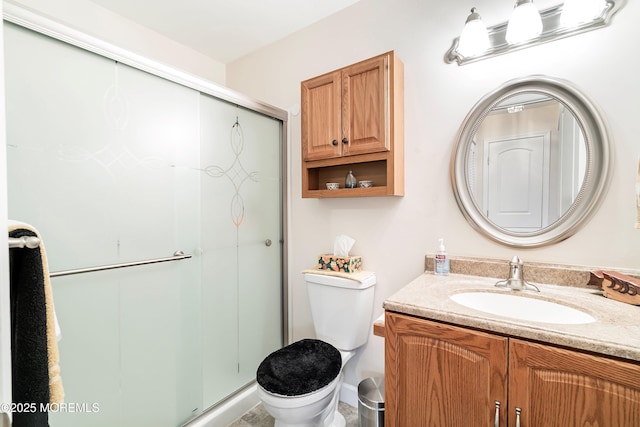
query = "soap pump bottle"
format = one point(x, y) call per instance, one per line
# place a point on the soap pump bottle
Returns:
point(441, 260)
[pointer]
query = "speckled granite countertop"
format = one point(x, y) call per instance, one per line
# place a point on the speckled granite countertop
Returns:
point(616, 331)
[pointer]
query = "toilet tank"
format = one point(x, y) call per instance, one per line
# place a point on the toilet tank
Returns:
point(341, 308)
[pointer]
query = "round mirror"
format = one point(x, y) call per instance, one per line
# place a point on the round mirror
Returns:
point(531, 162)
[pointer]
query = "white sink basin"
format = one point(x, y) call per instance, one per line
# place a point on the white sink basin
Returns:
point(522, 308)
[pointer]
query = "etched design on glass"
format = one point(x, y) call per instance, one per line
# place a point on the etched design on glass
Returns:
point(115, 155)
point(236, 173)
point(111, 158)
point(116, 105)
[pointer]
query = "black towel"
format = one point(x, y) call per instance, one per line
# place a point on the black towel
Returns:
point(29, 358)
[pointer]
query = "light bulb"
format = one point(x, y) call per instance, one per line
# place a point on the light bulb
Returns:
point(525, 22)
point(576, 12)
point(474, 38)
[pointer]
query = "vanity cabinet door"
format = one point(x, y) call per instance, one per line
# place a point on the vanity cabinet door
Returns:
point(556, 387)
point(365, 112)
point(440, 375)
point(322, 117)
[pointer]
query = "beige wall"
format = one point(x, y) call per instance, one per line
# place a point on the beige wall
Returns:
point(393, 234)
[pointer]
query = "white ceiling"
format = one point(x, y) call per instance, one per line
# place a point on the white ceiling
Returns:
point(225, 30)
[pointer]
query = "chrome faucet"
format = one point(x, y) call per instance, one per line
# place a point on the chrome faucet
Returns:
point(516, 280)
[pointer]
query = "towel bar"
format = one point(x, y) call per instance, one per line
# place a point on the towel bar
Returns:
point(177, 256)
point(30, 242)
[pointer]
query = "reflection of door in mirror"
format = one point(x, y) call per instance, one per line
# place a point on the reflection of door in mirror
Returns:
point(527, 163)
point(516, 182)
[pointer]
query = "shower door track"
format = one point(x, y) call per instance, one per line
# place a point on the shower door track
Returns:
point(177, 256)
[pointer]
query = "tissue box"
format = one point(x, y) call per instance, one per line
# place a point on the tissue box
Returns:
point(343, 264)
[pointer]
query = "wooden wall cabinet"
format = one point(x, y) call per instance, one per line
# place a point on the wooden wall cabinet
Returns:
point(353, 119)
point(443, 375)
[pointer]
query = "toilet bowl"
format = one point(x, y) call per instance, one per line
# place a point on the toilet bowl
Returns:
point(299, 385)
point(303, 407)
point(311, 410)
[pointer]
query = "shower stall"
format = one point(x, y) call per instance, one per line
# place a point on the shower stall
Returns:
point(159, 198)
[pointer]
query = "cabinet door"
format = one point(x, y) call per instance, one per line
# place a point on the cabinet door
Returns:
point(440, 375)
point(366, 107)
point(562, 388)
point(321, 117)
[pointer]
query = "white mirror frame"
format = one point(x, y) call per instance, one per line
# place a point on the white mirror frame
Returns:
point(598, 170)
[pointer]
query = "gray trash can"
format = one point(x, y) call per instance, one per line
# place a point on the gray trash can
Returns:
point(371, 402)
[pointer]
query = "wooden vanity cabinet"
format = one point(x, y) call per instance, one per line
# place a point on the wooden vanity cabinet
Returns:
point(443, 375)
point(555, 387)
point(438, 375)
point(353, 119)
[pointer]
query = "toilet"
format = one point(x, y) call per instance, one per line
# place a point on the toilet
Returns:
point(299, 385)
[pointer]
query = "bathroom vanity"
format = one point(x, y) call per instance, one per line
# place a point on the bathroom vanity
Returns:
point(448, 364)
point(461, 351)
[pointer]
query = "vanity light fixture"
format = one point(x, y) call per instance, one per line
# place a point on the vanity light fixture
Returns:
point(525, 22)
point(563, 20)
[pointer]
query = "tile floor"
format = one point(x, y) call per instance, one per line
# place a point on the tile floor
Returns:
point(258, 417)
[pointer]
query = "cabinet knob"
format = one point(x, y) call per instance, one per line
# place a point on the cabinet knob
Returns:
point(496, 422)
point(334, 142)
point(345, 141)
point(518, 411)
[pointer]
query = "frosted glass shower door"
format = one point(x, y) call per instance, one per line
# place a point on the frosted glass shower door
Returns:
point(241, 243)
point(112, 165)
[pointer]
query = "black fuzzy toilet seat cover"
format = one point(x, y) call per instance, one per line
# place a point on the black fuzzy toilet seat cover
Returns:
point(300, 368)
